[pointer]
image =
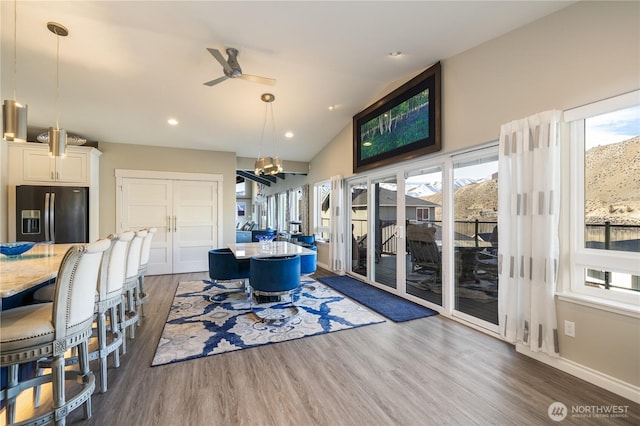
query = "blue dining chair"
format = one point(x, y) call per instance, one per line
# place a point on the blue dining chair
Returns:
point(306, 239)
point(274, 277)
point(223, 266)
point(308, 262)
point(259, 232)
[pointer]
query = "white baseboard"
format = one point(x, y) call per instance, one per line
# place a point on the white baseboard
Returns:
point(612, 384)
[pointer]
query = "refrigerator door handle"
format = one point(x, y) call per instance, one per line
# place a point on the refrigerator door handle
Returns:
point(46, 216)
point(52, 216)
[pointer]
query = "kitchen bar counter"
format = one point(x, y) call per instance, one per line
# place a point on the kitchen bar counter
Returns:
point(37, 266)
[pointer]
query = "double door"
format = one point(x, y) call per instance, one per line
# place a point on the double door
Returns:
point(185, 212)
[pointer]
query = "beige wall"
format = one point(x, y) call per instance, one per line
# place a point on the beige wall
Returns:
point(606, 342)
point(4, 202)
point(584, 53)
point(141, 157)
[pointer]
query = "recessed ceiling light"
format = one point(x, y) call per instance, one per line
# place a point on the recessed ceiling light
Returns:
point(395, 53)
point(288, 135)
point(172, 121)
point(332, 107)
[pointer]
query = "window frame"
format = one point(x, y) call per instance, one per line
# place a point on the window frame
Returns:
point(581, 257)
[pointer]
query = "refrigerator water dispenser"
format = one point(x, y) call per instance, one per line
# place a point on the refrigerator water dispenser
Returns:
point(30, 221)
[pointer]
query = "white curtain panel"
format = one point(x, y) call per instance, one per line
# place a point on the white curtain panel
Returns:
point(337, 247)
point(528, 242)
point(304, 214)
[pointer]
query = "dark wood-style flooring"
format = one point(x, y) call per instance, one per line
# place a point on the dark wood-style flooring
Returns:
point(431, 371)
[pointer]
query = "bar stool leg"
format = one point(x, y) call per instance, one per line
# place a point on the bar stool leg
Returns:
point(12, 381)
point(57, 371)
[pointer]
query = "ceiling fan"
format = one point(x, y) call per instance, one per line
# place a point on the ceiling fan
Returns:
point(232, 69)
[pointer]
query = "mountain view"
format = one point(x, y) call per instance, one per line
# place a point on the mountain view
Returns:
point(613, 196)
point(612, 188)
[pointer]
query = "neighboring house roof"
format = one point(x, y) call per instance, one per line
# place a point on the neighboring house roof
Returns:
point(388, 197)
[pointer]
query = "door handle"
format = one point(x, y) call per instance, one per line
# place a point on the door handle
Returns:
point(175, 223)
point(46, 216)
point(169, 219)
point(52, 217)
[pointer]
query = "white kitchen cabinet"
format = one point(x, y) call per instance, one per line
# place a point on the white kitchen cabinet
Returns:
point(30, 163)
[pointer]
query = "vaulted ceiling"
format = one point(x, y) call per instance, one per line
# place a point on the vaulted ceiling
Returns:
point(128, 66)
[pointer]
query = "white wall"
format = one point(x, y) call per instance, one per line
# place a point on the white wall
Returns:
point(584, 53)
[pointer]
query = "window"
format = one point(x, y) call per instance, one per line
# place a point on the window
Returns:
point(322, 210)
point(295, 209)
point(422, 214)
point(605, 199)
point(282, 212)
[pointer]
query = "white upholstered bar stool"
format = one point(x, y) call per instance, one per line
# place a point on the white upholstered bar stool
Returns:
point(130, 312)
point(142, 270)
point(109, 299)
point(31, 332)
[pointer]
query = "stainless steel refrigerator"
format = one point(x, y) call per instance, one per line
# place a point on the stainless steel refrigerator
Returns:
point(52, 213)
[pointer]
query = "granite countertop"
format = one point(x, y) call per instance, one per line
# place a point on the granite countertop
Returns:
point(36, 266)
point(275, 248)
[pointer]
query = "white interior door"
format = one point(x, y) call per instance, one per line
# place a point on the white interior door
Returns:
point(148, 203)
point(186, 210)
point(195, 224)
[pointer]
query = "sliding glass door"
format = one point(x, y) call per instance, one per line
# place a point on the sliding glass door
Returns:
point(475, 206)
point(428, 233)
point(385, 214)
point(423, 251)
point(358, 191)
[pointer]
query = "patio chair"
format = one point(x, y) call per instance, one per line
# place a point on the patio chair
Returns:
point(425, 256)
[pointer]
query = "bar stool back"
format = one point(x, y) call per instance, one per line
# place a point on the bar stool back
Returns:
point(28, 333)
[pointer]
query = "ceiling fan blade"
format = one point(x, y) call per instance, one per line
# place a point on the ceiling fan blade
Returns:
point(256, 79)
point(216, 54)
point(216, 81)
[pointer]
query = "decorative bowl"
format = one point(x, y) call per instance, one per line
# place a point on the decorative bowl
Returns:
point(265, 238)
point(15, 249)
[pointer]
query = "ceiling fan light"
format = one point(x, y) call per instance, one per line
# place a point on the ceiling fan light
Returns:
point(14, 119)
point(57, 142)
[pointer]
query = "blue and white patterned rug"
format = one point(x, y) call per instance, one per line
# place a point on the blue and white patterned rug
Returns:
point(197, 327)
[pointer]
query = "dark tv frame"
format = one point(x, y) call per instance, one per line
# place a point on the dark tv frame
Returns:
point(428, 79)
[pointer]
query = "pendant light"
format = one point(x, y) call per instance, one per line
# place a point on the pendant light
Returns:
point(14, 114)
point(57, 136)
point(268, 165)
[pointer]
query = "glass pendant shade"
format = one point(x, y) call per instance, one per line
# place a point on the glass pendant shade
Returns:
point(14, 121)
point(57, 142)
point(268, 166)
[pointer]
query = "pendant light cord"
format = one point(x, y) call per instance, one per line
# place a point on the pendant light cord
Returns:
point(57, 79)
point(15, 46)
point(264, 126)
point(273, 122)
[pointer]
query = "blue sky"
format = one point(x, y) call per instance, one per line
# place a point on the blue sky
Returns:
point(613, 127)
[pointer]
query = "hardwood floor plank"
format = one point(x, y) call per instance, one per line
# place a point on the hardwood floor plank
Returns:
point(422, 372)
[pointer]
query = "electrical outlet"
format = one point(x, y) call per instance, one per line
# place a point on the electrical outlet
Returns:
point(570, 328)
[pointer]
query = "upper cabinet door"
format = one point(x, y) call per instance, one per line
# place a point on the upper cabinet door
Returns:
point(37, 166)
point(73, 168)
point(30, 163)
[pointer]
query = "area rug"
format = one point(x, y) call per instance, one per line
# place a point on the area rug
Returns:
point(205, 319)
point(391, 306)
